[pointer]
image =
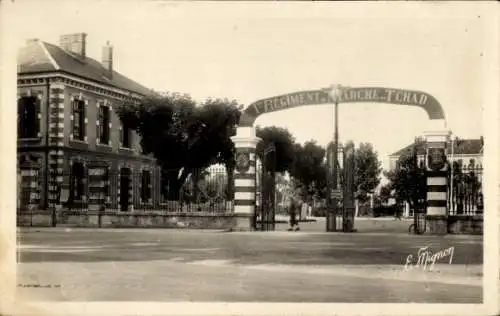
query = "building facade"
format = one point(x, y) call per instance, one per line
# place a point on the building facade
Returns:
point(464, 195)
point(466, 152)
point(73, 149)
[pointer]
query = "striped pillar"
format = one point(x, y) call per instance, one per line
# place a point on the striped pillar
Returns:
point(118, 189)
point(245, 142)
point(437, 183)
point(97, 185)
point(56, 141)
point(30, 189)
point(130, 196)
point(131, 192)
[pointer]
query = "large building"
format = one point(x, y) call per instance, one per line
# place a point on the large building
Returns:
point(72, 147)
point(466, 152)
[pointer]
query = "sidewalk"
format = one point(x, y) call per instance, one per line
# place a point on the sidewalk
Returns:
point(441, 273)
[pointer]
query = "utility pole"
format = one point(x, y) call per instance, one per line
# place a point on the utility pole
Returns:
point(335, 93)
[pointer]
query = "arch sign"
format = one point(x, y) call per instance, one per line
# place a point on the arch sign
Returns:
point(345, 95)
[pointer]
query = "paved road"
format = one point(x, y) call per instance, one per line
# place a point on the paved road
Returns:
point(181, 265)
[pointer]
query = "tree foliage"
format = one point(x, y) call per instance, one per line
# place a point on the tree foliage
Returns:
point(367, 170)
point(385, 193)
point(408, 179)
point(283, 142)
point(309, 169)
point(182, 135)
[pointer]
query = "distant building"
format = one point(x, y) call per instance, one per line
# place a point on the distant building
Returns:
point(70, 141)
point(467, 153)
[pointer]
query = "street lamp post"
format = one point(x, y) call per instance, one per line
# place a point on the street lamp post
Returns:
point(335, 93)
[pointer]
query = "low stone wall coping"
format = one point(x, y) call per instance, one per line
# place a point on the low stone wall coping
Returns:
point(463, 217)
point(135, 213)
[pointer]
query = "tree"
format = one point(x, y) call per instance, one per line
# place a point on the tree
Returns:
point(283, 143)
point(183, 137)
point(408, 180)
point(385, 193)
point(367, 170)
point(309, 168)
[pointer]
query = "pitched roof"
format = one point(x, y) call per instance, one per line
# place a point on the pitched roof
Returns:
point(461, 147)
point(38, 56)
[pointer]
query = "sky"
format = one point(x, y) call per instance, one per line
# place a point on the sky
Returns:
point(251, 51)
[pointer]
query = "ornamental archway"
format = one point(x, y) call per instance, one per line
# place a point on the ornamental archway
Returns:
point(246, 141)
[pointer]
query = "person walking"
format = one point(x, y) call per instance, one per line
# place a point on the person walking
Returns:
point(397, 214)
point(294, 208)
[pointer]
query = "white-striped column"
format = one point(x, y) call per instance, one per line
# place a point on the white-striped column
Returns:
point(118, 189)
point(56, 141)
point(31, 188)
point(97, 177)
point(131, 191)
point(437, 182)
point(245, 142)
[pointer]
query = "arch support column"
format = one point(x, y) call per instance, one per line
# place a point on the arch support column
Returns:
point(437, 182)
point(245, 142)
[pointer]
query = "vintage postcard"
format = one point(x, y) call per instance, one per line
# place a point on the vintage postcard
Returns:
point(260, 158)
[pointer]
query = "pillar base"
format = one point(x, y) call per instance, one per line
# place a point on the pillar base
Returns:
point(331, 221)
point(437, 225)
point(243, 223)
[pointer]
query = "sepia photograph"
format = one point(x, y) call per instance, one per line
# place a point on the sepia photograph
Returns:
point(305, 154)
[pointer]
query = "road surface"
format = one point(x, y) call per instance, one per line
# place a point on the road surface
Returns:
point(186, 265)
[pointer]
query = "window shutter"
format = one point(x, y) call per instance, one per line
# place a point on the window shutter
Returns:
point(85, 120)
point(38, 111)
point(121, 135)
point(110, 143)
point(20, 117)
point(110, 107)
point(98, 123)
point(74, 109)
point(130, 138)
point(150, 186)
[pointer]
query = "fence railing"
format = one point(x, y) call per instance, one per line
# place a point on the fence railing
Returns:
point(205, 192)
point(465, 195)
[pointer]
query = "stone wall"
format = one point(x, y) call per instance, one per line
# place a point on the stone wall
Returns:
point(465, 224)
point(128, 220)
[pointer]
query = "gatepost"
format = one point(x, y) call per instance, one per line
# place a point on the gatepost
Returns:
point(437, 183)
point(245, 142)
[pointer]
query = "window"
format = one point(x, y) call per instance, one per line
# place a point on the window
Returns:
point(103, 124)
point(145, 186)
point(421, 164)
point(77, 181)
point(78, 120)
point(126, 136)
point(28, 125)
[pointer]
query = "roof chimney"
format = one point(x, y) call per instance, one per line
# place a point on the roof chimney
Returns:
point(74, 43)
point(107, 58)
